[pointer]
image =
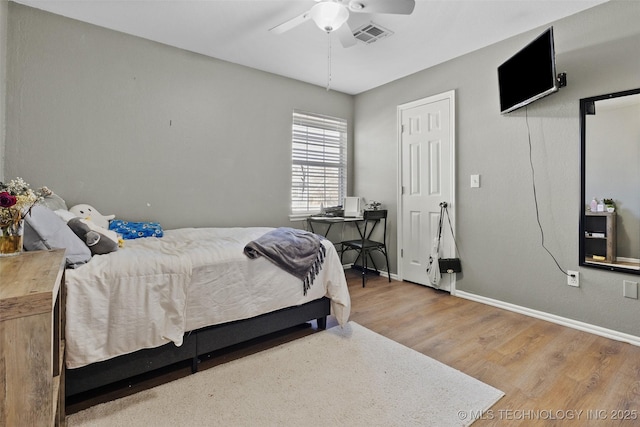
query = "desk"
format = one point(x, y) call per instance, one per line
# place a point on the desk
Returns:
point(330, 220)
point(357, 221)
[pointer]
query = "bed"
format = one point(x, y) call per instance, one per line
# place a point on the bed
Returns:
point(159, 301)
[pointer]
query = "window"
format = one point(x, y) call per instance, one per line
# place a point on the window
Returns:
point(319, 162)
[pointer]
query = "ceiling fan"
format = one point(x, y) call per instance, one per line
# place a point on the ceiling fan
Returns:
point(332, 15)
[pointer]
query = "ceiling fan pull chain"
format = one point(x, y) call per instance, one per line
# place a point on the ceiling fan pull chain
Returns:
point(329, 61)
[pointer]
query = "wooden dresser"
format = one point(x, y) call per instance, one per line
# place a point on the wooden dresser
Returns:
point(32, 339)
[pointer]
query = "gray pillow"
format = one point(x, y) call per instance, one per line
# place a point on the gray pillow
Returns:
point(44, 230)
point(54, 202)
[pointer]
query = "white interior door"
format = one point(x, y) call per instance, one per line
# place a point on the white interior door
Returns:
point(427, 169)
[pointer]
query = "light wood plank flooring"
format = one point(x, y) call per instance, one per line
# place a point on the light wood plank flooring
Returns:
point(551, 375)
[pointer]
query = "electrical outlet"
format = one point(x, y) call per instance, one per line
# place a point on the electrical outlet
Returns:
point(573, 278)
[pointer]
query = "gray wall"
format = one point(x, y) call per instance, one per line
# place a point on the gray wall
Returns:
point(150, 132)
point(497, 232)
point(120, 122)
point(4, 13)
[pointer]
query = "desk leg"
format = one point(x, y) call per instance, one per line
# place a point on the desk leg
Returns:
point(326, 233)
point(328, 228)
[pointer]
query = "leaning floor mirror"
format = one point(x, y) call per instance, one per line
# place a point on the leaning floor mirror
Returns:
point(610, 219)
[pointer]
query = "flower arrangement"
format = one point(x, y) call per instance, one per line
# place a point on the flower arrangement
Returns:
point(16, 201)
point(373, 205)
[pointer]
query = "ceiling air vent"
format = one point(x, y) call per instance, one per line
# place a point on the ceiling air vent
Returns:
point(370, 33)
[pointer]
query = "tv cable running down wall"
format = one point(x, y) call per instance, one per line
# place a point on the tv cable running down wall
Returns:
point(525, 77)
point(535, 195)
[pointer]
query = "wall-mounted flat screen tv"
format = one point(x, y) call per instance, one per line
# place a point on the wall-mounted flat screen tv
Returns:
point(528, 75)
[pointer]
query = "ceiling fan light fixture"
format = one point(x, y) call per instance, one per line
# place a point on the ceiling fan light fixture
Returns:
point(329, 16)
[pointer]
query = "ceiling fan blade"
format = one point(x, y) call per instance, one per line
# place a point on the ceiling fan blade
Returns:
point(291, 23)
point(398, 7)
point(345, 35)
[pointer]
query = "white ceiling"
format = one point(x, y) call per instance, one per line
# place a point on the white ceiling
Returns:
point(237, 31)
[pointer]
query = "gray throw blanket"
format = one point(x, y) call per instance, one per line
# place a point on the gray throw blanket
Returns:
point(297, 252)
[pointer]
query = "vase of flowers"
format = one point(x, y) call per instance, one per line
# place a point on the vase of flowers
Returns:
point(16, 201)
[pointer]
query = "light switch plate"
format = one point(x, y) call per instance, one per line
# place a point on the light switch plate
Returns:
point(475, 181)
point(630, 289)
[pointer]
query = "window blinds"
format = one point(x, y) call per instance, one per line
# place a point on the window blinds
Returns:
point(319, 162)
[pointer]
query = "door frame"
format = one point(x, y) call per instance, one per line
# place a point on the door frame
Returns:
point(449, 95)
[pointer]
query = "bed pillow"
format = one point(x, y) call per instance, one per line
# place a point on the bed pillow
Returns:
point(54, 202)
point(135, 230)
point(44, 230)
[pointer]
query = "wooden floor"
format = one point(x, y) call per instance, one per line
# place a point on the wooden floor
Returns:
point(551, 375)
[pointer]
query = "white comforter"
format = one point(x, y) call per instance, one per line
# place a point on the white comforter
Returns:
point(155, 289)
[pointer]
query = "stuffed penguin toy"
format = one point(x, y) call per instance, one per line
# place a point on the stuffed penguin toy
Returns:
point(90, 213)
point(98, 243)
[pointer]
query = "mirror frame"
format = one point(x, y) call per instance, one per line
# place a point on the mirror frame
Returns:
point(584, 103)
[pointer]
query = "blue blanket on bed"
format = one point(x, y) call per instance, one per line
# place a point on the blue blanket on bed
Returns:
point(135, 230)
point(297, 252)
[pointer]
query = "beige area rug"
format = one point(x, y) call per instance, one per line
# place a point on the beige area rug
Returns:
point(347, 376)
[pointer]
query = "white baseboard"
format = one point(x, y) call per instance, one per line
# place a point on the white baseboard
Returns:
point(385, 274)
point(581, 326)
point(570, 323)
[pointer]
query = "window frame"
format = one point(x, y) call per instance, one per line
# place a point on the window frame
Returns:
point(319, 144)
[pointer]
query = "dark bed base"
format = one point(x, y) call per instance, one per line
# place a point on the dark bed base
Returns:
point(196, 343)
